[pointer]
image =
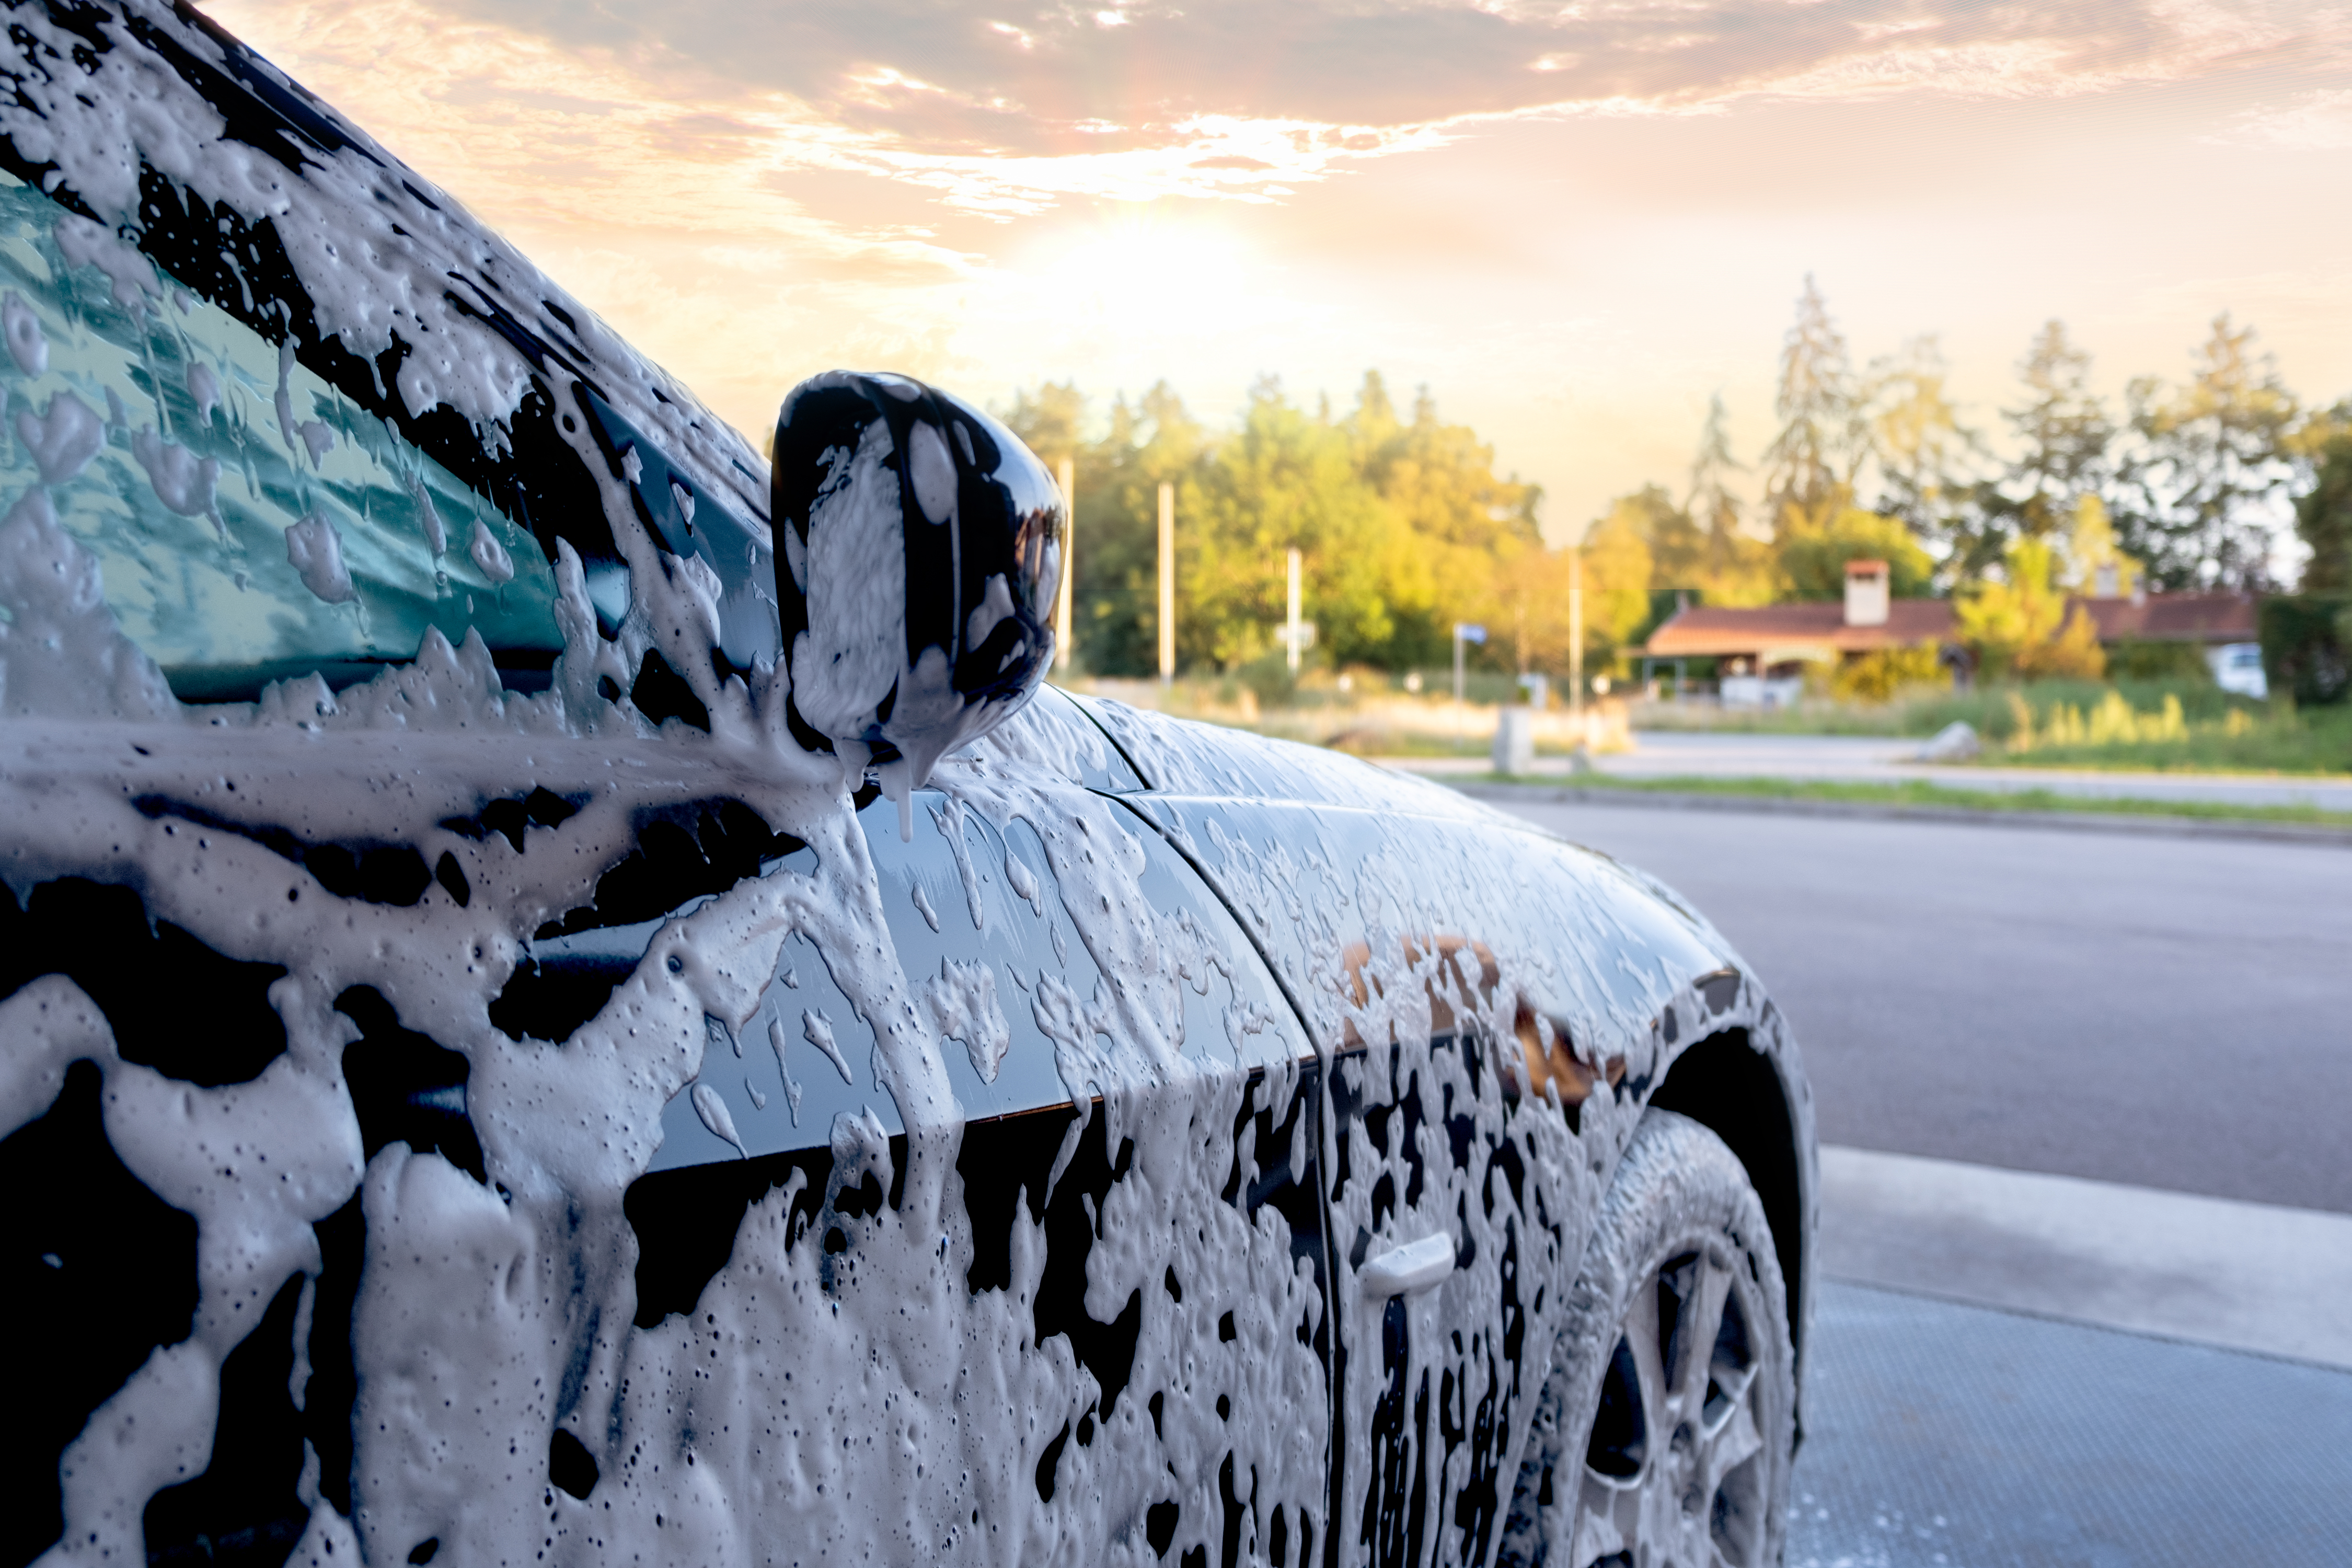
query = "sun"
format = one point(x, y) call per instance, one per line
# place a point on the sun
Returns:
point(1145, 264)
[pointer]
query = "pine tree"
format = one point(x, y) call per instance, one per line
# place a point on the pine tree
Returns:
point(2063, 431)
point(2212, 467)
point(1924, 451)
point(1734, 566)
point(1822, 440)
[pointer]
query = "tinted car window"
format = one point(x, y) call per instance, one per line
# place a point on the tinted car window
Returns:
point(1002, 933)
point(250, 521)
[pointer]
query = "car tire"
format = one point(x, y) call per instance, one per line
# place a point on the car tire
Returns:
point(1664, 1432)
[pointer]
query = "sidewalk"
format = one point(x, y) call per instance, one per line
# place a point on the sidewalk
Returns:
point(2236, 1276)
point(2017, 1368)
point(1877, 759)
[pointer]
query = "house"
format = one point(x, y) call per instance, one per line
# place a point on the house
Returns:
point(1762, 654)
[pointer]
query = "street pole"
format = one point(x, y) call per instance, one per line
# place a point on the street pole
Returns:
point(1576, 631)
point(1167, 583)
point(1068, 474)
point(1293, 637)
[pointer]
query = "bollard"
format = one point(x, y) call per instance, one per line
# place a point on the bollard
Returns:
point(1514, 741)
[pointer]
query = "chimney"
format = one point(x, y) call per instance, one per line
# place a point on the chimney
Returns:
point(2103, 581)
point(1865, 592)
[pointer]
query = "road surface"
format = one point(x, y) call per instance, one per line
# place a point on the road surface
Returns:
point(2170, 1012)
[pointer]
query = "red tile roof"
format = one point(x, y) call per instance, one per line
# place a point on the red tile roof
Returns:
point(2176, 617)
point(1709, 631)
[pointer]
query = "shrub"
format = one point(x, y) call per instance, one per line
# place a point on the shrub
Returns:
point(2131, 659)
point(2308, 648)
point(1879, 675)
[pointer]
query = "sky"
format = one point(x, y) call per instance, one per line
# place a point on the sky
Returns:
point(1572, 223)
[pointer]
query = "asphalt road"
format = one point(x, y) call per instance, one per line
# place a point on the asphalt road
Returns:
point(2170, 1013)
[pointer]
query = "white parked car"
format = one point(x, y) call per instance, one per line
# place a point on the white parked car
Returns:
point(2238, 669)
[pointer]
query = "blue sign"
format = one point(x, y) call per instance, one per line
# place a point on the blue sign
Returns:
point(1468, 633)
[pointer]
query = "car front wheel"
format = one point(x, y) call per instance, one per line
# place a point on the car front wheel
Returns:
point(1666, 1427)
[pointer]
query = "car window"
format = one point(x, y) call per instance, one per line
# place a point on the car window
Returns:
point(985, 932)
point(250, 521)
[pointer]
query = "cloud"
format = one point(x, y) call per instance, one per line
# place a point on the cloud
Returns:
point(955, 79)
point(2311, 122)
point(1007, 112)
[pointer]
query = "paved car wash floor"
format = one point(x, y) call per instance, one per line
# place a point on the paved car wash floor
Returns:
point(1938, 1434)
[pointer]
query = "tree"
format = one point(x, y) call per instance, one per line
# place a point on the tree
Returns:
point(1822, 439)
point(2323, 514)
point(1527, 605)
point(2063, 432)
point(1818, 541)
point(1734, 567)
point(1114, 602)
point(1462, 520)
point(1049, 420)
point(1287, 479)
point(2019, 626)
point(2092, 546)
point(2212, 467)
point(1924, 451)
point(1677, 549)
point(1617, 572)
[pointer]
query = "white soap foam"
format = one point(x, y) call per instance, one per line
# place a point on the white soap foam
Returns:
point(489, 554)
point(63, 438)
point(21, 325)
point(314, 548)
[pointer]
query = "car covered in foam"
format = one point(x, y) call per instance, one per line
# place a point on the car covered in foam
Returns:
point(568, 996)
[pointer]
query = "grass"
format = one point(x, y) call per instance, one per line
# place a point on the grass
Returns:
point(2047, 724)
point(1921, 792)
point(2177, 724)
point(2285, 742)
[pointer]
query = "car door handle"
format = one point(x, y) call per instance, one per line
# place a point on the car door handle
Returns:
point(1407, 1269)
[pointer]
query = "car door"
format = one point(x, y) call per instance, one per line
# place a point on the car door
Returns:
point(1137, 1227)
point(1442, 1237)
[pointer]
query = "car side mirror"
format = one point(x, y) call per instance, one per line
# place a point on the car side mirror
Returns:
point(919, 552)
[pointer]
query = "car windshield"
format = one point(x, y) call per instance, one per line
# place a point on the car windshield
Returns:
point(249, 522)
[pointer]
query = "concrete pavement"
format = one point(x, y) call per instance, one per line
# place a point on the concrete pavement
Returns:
point(1944, 1436)
point(2248, 1276)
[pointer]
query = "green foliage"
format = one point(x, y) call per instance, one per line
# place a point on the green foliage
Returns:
point(1986, 708)
point(1881, 674)
point(2323, 516)
point(1824, 437)
point(1402, 527)
point(1816, 543)
point(2132, 659)
point(1619, 568)
point(1708, 550)
point(2213, 460)
point(2308, 648)
point(1924, 454)
point(2019, 625)
point(1922, 792)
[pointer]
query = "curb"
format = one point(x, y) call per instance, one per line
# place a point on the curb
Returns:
point(1776, 805)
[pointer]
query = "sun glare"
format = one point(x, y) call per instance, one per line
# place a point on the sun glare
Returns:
point(1146, 267)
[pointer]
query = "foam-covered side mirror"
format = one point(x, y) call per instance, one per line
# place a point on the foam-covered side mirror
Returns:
point(918, 551)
